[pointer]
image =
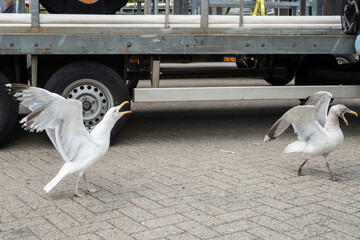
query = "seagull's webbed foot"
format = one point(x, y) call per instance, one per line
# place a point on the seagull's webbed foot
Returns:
point(333, 178)
point(78, 194)
point(92, 190)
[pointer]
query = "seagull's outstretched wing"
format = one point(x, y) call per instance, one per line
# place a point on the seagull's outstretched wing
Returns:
point(302, 118)
point(61, 118)
point(63, 122)
point(321, 101)
point(32, 97)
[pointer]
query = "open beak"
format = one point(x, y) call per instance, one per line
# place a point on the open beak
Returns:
point(121, 105)
point(343, 116)
point(126, 112)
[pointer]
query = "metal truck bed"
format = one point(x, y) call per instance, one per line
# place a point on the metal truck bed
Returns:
point(172, 34)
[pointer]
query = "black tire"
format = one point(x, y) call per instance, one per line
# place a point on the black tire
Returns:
point(8, 110)
point(281, 81)
point(98, 86)
point(289, 63)
point(131, 84)
point(320, 61)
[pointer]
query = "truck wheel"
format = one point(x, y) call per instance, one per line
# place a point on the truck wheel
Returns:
point(281, 81)
point(8, 110)
point(316, 61)
point(96, 85)
point(285, 61)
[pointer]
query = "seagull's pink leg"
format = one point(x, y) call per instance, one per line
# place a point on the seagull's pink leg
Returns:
point(76, 188)
point(332, 177)
point(92, 190)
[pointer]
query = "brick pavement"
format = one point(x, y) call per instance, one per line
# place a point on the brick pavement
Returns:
point(165, 177)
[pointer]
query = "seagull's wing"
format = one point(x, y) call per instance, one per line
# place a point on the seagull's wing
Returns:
point(32, 97)
point(322, 101)
point(62, 119)
point(302, 118)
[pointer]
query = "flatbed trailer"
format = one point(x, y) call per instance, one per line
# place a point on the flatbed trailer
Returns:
point(98, 59)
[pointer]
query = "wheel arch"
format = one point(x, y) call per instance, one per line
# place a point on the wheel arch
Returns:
point(49, 64)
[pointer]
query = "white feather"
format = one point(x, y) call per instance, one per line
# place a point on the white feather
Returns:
point(63, 122)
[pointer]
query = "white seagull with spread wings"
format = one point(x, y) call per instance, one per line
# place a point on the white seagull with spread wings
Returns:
point(318, 132)
point(63, 122)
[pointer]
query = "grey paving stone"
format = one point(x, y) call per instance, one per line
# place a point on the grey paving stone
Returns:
point(158, 233)
point(198, 230)
point(165, 177)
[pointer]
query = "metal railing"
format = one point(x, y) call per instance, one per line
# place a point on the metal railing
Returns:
point(151, 7)
point(297, 6)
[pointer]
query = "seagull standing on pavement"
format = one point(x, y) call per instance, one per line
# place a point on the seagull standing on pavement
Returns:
point(318, 132)
point(63, 122)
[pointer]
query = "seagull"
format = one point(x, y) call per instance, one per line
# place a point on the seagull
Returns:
point(63, 122)
point(321, 101)
point(318, 133)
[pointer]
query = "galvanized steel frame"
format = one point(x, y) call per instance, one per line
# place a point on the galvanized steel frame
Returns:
point(240, 93)
point(158, 44)
point(87, 40)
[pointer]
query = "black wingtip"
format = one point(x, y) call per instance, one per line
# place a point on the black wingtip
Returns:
point(304, 101)
point(13, 88)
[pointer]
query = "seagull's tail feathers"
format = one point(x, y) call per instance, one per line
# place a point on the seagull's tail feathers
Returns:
point(296, 146)
point(64, 171)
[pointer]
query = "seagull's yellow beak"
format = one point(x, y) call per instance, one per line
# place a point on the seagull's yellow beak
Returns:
point(126, 112)
point(343, 116)
point(121, 105)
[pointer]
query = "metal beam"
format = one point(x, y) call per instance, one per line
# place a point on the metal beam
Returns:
point(35, 13)
point(240, 93)
point(211, 73)
point(302, 7)
point(167, 13)
point(175, 44)
point(155, 71)
point(204, 22)
point(147, 7)
point(241, 13)
point(34, 70)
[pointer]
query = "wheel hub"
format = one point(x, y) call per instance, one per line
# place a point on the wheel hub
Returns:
point(86, 105)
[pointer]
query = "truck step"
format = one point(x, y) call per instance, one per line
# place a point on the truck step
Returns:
point(240, 93)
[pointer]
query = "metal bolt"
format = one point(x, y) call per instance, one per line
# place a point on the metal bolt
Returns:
point(263, 45)
point(104, 108)
point(11, 44)
point(36, 44)
point(93, 102)
point(85, 98)
point(129, 44)
point(187, 45)
point(247, 44)
point(92, 110)
point(314, 45)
